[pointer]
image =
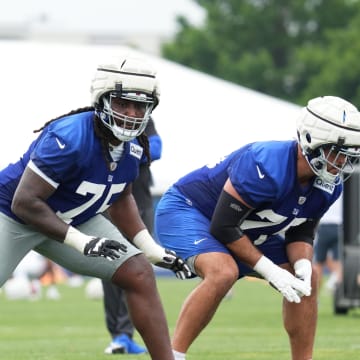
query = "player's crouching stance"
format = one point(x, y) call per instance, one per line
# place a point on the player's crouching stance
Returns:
point(258, 209)
point(81, 165)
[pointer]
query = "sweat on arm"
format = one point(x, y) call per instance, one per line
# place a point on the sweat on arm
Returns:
point(228, 215)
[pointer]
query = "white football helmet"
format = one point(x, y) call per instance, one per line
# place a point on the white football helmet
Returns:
point(129, 78)
point(332, 123)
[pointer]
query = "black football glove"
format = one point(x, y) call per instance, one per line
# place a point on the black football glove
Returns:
point(175, 263)
point(109, 249)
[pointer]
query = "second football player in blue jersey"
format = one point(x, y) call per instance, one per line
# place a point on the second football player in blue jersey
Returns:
point(256, 211)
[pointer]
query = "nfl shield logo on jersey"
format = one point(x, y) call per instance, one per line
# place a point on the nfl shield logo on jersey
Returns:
point(301, 200)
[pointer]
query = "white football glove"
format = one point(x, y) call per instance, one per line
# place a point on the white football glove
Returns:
point(282, 280)
point(303, 271)
point(160, 256)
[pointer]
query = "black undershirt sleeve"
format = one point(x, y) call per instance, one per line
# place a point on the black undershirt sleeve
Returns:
point(304, 232)
point(228, 215)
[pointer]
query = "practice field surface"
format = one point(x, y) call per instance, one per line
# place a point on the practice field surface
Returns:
point(247, 326)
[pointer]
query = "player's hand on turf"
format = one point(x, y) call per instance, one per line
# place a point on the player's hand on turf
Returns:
point(175, 263)
point(109, 249)
point(303, 271)
point(282, 280)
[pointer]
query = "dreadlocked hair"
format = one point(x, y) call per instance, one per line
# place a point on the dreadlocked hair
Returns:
point(106, 137)
point(72, 112)
point(144, 143)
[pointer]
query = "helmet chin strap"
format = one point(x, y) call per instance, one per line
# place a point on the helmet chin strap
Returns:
point(319, 167)
point(317, 164)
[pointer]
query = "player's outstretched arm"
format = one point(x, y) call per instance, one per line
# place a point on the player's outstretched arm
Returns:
point(160, 256)
point(125, 215)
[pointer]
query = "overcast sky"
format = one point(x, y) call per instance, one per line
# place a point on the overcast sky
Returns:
point(100, 15)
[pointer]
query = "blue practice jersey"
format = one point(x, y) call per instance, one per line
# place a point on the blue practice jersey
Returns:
point(265, 176)
point(69, 156)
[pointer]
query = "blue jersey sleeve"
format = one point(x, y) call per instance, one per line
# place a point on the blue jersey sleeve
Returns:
point(264, 172)
point(55, 155)
point(64, 146)
point(251, 181)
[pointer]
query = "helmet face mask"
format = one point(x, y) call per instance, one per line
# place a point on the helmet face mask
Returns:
point(332, 164)
point(329, 136)
point(132, 80)
point(124, 127)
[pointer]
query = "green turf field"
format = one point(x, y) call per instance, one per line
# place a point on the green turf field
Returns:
point(248, 326)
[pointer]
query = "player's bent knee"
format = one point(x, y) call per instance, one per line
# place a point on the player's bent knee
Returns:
point(216, 265)
point(135, 270)
point(224, 278)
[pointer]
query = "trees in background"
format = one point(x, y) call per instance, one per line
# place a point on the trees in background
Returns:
point(293, 50)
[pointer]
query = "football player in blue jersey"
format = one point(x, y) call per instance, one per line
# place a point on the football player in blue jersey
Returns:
point(82, 164)
point(255, 212)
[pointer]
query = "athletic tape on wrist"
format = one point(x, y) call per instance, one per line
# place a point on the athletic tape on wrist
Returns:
point(76, 239)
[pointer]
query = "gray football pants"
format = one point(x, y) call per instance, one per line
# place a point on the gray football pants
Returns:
point(16, 240)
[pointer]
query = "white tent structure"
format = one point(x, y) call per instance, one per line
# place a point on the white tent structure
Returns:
point(200, 118)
